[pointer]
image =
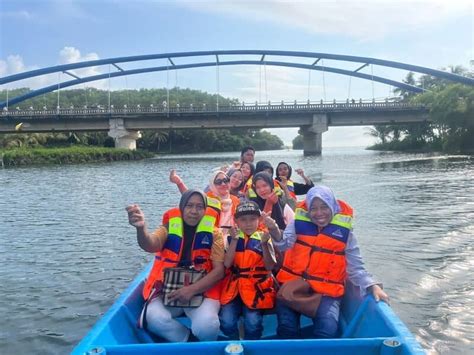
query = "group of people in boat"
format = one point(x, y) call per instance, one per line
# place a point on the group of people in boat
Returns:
point(248, 237)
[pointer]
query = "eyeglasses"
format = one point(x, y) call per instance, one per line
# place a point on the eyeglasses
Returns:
point(221, 181)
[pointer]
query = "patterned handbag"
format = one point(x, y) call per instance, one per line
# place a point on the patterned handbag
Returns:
point(178, 277)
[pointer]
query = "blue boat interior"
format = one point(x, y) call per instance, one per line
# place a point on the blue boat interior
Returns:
point(366, 327)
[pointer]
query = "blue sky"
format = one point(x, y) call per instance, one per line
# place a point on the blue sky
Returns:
point(430, 33)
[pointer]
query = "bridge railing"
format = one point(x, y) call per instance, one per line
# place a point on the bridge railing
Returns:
point(348, 105)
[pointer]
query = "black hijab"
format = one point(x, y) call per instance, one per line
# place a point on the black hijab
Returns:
point(188, 231)
point(277, 210)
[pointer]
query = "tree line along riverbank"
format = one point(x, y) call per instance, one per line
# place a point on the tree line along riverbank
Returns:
point(67, 155)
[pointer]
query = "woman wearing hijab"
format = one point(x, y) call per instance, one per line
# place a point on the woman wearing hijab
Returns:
point(219, 188)
point(321, 249)
point(283, 175)
point(268, 201)
point(186, 238)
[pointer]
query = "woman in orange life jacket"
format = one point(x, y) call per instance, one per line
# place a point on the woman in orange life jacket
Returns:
point(321, 248)
point(188, 240)
point(248, 287)
point(283, 175)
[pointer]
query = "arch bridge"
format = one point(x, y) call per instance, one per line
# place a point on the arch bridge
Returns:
point(125, 132)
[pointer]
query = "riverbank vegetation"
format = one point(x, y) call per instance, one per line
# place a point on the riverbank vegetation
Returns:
point(164, 141)
point(67, 155)
point(451, 112)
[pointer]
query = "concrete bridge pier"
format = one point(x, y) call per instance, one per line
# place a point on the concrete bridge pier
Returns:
point(123, 137)
point(313, 135)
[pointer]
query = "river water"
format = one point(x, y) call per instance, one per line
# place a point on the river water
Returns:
point(67, 251)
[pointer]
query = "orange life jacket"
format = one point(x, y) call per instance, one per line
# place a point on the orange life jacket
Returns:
point(276, 188)
point(170, 255)
point(248, 276)
point(319, 256)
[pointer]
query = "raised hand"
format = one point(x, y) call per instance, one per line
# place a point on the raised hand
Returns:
point(135, 216)
point(273, 198)
point(234, 232)
point(300, 172)
point(174, 178)
point(268, 221)
point(265, 237)
point(283, 181)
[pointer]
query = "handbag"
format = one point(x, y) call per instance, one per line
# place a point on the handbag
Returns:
point(176, 278)
point(300, 297)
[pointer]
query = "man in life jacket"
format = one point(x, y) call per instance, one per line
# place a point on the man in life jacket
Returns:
point(248, 287)
point(187, 238)
point(320, 248)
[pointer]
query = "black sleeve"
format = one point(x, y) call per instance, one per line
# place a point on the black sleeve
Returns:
point(302, 189)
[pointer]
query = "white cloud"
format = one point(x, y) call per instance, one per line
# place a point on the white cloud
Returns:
point(69, 55)
point(365, 20)
point(14, 64)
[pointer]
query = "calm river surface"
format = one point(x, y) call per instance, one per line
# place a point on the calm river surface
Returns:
point(67, 251)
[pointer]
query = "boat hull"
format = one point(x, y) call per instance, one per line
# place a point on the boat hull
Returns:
point(366, 327)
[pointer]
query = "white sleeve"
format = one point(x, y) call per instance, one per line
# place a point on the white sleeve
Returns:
point(288, 214)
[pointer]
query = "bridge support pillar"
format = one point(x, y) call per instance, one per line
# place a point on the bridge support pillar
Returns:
point(313, 135)
point(123, 137)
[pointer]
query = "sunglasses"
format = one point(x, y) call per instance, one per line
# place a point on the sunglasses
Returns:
point(221, 181)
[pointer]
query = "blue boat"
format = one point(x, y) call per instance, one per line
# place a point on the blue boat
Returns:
point(366, 327)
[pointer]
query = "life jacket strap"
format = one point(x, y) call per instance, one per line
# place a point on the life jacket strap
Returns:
point(327, 251)
point(290, 271)
point(319, 249)
point(320, 279)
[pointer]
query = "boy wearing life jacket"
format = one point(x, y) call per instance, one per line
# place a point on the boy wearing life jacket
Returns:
point(248, 286)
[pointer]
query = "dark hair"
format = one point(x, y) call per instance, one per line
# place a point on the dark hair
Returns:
point(231, 172)
point(289, 170)
point(262, 176)
point(262, 165)
point(277, 209)
point(245, 149)
point(251, 165)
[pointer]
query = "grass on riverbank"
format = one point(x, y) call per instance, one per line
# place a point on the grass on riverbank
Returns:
point(68, 155)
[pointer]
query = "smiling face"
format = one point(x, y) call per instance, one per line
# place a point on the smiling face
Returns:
point(263, 189)
point(320, 213)
point(246, 171)
point(194, 210)
point(221, 181)
point(236, 179)
point(283, 170)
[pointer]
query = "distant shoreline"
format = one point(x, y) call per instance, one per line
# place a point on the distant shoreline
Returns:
point(67, 155)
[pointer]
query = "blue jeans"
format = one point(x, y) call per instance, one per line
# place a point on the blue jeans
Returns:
point(324, 323)
point(229, 318)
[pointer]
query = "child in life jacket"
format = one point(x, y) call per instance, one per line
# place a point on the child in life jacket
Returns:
point(248, 286)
